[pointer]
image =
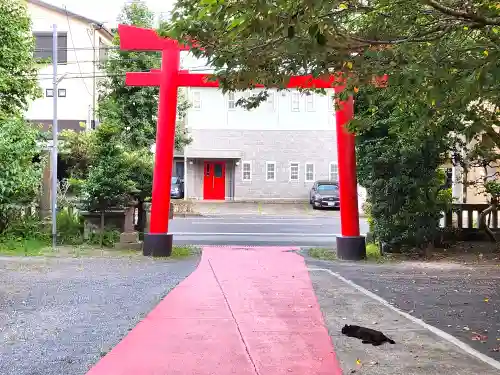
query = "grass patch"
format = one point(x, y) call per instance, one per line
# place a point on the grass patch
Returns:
point(322, 253)
point(34, 247)
point(20, 247)
point(373, 253)
point(180, 252)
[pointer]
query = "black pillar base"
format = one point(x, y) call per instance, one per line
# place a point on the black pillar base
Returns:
point(351, 248)
point(157, 245)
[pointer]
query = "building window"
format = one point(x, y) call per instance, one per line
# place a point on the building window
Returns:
point(310, 103)
point(247, 171)
point(270, 171)
point(331, 102)
point(295, 102)
point(294, 171)
point(61, 93)
point(231, 101)
point(270, 100)
point(334, 172)
point(103, 52)
point(43, 46)
point(196, 100)
point(310, 172)
point(49, 93)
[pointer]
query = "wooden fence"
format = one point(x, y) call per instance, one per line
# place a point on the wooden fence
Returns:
point(463, 221)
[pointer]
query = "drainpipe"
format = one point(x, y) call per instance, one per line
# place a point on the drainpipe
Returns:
point(185, 177)
point(93, 76)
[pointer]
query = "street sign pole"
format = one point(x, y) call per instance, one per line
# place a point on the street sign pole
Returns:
point(54, 138)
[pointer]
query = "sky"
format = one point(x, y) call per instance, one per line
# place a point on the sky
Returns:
point(106, 11)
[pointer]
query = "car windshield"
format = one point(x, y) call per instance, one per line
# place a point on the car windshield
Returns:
point(328, 188)
point(174, 180)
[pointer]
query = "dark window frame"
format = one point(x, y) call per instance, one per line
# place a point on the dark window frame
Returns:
point(43, 46)
point(59, 91)
point(103, 52)
point(47, 93)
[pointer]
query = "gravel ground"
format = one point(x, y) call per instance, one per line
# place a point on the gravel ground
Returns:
point(463, 301)
point(60, 315)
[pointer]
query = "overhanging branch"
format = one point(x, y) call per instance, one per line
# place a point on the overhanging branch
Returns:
point(461, 14)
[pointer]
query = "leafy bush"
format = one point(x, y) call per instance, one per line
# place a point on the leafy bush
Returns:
point(109, 238)
point(398, 163)
point(69, 228)
point(26, 227)
point(108, 184)
point(20, 176)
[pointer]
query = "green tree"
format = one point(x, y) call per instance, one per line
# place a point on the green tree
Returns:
point(20, 176)
point(108, 183)
point(18, 71)
point(400, 169)
point(77, 151)
point(445, 52)
point(134, 109)
point(140, 164)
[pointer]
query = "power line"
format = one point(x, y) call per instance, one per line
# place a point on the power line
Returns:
point(84, 75)
point(76, 56)
point(99, 61)
point(77, 49)
point(194, 69)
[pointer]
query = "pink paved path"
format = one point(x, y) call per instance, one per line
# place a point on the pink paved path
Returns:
point(244, 311)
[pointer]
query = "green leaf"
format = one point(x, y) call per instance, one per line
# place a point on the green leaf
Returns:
point(321, 39)
point(313, 30)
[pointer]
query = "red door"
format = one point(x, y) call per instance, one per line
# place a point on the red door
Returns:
point(214, 180)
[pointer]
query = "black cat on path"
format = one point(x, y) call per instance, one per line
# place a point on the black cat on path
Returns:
point(367, 335)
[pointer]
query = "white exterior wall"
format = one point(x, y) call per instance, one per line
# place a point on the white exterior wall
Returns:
point(276, 114)
point(77, 105)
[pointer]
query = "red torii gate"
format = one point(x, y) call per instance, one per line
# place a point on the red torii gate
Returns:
point(158, 242)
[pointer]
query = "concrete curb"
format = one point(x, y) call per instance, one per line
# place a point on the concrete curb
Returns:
point(188, 215)
point(197, 214)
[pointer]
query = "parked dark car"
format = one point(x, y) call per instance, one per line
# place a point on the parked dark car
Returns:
point(324, 194)
point(177, 188)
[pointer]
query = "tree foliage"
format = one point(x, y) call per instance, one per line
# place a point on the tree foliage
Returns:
point(445, 52)
point(108, 184)
point(18, 84)
point(77, 151)
point(20, 175)
point(140, 170)
point(84, 151)
point(441, 97)
point(400, 169)
point(134, 109)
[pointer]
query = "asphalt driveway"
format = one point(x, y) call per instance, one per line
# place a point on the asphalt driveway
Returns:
point(463, 301)
point(61, 315)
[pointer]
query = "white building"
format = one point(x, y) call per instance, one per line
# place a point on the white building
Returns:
point(82, 44)
point(274, 152)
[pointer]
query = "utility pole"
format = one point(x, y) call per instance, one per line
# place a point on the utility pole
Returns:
point(94, 62)
point(54, 138)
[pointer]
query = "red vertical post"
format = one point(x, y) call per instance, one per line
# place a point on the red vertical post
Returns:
point(350, 246)
point(158, 242)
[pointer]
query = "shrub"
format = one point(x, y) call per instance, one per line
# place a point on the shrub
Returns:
point(69, 228)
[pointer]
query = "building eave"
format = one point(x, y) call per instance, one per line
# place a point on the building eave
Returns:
point(96, 24)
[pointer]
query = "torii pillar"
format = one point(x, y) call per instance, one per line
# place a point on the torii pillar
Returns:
point(158, 242)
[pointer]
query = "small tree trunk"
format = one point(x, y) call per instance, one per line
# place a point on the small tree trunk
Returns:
point(102, 229)
point(465, 183)
point(428, 250)
point(482, 221)
point(140, 217)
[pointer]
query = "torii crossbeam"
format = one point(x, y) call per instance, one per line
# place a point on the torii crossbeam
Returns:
point(158, 242)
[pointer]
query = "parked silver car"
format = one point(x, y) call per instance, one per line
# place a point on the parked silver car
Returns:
point(324, 194)
point(177, 188)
